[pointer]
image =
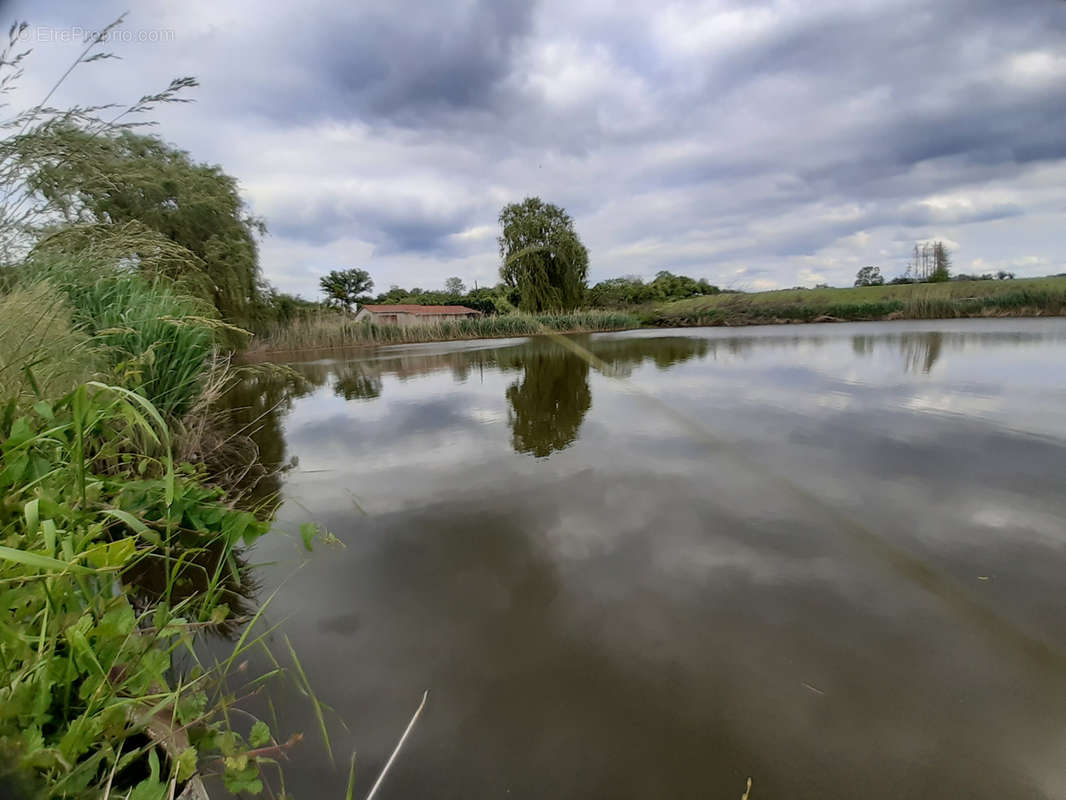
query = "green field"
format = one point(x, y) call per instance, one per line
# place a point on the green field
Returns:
point(1025, 297)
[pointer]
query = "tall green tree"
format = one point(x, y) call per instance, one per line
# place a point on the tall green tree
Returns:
point(543, 257)
point(346, 287)
point(118, 177)
point(454, 286)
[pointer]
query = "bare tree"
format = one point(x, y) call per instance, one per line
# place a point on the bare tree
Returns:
point(941, 263)
point(930, 261)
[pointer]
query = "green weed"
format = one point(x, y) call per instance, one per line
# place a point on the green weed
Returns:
point(93, 507)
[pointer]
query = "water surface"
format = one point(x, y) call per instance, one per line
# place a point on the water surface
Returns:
point(827, 557)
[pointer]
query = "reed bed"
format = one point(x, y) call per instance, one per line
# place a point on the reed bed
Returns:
point(335, 329)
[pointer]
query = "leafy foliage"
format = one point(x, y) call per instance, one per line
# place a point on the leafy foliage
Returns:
point(119, 177)
point(281, 307)
point(543, 257)
point(32, 144)
point(942, 263)
point(347, 287)
point(118, 255)
point(92, 498)
point(493, 300)
point(632, 291)
point(869, 276)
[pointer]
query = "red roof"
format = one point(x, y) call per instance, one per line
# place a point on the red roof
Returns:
point(413, 309)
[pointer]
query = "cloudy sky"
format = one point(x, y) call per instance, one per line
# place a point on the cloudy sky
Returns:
point(757, 143)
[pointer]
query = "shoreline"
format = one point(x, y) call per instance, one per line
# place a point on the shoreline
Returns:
point(253, 355)
point(1025, 297)
point(268, 354)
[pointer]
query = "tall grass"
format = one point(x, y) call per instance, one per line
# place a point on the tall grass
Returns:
point(154, 340)
point(112, 556)
point(1019, 302)
point(333, 329)
point(147, 335)
point(41, 352)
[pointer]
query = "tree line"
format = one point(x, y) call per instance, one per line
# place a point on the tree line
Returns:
point(930, 263)
point(543, 267)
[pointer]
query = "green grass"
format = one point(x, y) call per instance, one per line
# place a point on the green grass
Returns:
point(1026, 297)
point(334, 329)
point(41, 352)
point(143, 333)
point(156, 341)
point(90, 691)
point(113, 557)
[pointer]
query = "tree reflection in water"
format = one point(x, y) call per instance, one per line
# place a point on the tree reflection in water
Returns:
point(549, 402)
point(921, 350)
point(356, 382)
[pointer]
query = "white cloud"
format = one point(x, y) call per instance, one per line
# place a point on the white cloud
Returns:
point(1036, 69)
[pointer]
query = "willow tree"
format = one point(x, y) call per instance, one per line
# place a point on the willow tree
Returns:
point(543, 257)
point(98, 180)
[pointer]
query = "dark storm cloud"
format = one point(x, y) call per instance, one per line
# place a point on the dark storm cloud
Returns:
point(394, 227)
point(406, 61)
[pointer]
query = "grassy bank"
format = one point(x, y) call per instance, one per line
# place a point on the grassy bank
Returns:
point(1017, 298)
point(335, 330)
point(126, 504)
point(114, 556)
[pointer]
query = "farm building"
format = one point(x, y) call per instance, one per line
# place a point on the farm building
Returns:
point(407, 315)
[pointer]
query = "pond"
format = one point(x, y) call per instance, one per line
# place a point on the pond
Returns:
point(828, 557)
